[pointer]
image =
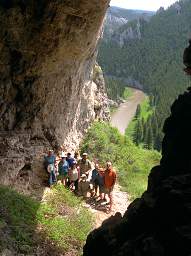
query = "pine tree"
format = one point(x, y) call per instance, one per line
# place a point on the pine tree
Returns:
point(148, 139)
point(138, 111)
point(144, 133)
point(138, 133)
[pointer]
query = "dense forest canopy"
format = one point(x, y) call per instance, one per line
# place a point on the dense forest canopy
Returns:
point(150, 52)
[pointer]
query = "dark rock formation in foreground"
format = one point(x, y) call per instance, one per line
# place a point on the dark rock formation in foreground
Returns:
point(159, 223)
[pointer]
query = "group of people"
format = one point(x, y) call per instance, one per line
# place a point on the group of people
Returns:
point(81, 176)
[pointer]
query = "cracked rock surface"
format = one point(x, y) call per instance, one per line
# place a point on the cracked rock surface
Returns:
point(50, 88)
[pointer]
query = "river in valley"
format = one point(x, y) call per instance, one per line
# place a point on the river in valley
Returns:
point(126, 111)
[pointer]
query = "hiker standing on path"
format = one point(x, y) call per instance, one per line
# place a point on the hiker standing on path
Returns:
point(109, 182)
point(74, 175)
point(70, 159)
point(63, 167)
point(95, 180)
point(101, 178)
point(84, 165)
point(50, 161)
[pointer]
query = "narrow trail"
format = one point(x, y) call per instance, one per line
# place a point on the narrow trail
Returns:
point(120, 204)
point(120, 119)
point(98, 209)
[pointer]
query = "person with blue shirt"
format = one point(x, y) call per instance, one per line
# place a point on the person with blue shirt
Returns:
point(70, 160)
point(95, 180)
point(50, 161)
point(63, 168)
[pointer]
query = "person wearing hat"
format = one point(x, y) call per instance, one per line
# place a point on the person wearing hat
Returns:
point(83, 186)
point(63, 168)
point(50, 161)
point(84, 165)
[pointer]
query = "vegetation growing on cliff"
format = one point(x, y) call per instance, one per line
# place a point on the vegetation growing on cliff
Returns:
point(104, 143)
point(57, 223)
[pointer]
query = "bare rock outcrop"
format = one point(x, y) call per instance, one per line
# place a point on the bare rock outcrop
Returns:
point(21, 161)
point(49, 90)
point(47, 52)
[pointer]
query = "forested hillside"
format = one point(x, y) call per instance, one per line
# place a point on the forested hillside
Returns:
point(154, 59)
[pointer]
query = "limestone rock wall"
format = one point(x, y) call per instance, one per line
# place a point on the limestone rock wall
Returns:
point(47, 52)
point(49, 90)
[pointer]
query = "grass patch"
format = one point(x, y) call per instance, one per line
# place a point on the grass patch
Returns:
point(133, 163)
point(133, 175)
point(60, 219)
point(70, 223)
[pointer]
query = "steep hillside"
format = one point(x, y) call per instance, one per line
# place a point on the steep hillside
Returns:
point(152, 57)
point(44, 228)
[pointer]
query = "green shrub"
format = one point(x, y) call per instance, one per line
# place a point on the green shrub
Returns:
point(133, 163)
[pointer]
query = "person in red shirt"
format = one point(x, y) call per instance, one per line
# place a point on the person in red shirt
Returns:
point(109, 182)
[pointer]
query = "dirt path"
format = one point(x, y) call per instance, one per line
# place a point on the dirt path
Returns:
point(98, 209)
point(120, 204)
point(120, 119)
point(125, 113)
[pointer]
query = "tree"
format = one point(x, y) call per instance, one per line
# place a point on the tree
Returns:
point(138, 111)
point(149, 138)
point(138, 133)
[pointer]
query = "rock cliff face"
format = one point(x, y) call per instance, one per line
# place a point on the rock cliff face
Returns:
point(115, 25)
point(159, 223)
point(47, 52)
point(47, 93)
point(127, 34)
